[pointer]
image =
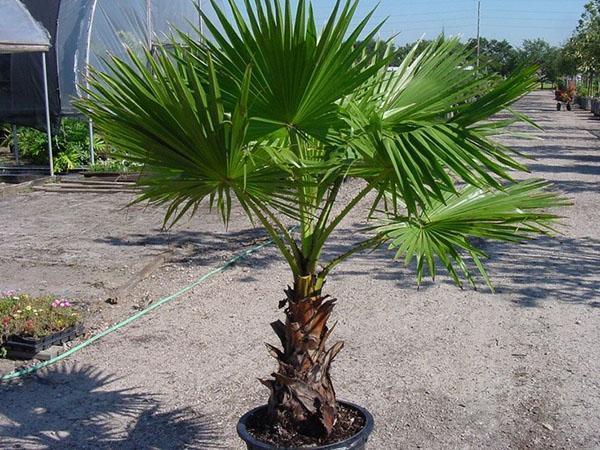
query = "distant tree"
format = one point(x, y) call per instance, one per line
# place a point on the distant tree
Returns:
point(589, 30)
point(585, 42)
point(581, 53)
point(567, 61)
point(499, 56)
point(380, 47)
point(377, 47)
point(540, 52)
point(402, 52)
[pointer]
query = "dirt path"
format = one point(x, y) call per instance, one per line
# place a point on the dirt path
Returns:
point(439, 367)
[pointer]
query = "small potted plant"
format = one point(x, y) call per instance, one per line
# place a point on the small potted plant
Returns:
point(269, 112)
point(29, 325)
point(586, 101)
point(595, 106)
point(564, 95)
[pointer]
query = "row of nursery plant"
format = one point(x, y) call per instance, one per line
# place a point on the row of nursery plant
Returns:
point(589, 103)
point(71, 148)
point(71, 145)
point(584, 91)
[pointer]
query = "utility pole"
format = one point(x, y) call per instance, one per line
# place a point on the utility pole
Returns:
point(478, 31)
point(149, 27)
point(200, 20)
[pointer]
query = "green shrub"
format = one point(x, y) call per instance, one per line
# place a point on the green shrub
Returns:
point(71, 145)
point(584, 91)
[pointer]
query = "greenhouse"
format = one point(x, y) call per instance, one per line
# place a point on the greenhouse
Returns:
point(81, 34)
point(22, 38)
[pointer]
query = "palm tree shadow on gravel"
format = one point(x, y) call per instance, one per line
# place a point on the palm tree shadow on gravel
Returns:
point(542, 270)
point(564, 270)
point(198, 248)
point(80, 408)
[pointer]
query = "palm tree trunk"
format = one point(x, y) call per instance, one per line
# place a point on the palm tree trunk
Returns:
point(302, 395)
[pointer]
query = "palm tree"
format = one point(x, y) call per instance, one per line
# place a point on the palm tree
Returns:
point(270, 113)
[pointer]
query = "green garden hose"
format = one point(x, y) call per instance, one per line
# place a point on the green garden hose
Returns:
point(29, 370)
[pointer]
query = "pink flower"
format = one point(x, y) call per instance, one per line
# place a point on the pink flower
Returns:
point(8, 293)
point(61, 303)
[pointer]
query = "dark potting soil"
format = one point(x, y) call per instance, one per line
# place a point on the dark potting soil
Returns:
point(349, 423)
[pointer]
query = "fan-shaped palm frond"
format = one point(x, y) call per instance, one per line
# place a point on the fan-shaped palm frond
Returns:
point(299, 75)
point(445, 229)
point(415, 124)
point(158, 113)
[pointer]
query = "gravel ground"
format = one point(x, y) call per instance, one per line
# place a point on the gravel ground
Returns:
point(439, 367)
point(93, 248)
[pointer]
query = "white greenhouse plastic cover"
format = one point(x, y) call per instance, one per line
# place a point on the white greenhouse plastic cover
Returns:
point(89, 31)
point(19, 31)
point(81, 34)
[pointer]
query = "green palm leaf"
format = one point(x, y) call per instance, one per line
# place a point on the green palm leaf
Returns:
point(417, 125)
point(158, 113)
point(298, 75)
point(444, 231)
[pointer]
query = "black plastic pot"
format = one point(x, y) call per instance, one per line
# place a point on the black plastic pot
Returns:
point(19, 347)
point(356, 442)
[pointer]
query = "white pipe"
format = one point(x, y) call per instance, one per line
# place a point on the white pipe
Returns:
point(91, 131)
point(15, 142)
point(201, 22)
point(47, 104)
point(478, 31)
point(149, 30)
point(87, 75)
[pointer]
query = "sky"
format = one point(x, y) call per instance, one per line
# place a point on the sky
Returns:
point(513, 20)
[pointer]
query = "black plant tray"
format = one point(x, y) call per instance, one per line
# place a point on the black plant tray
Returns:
point(22, 347)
